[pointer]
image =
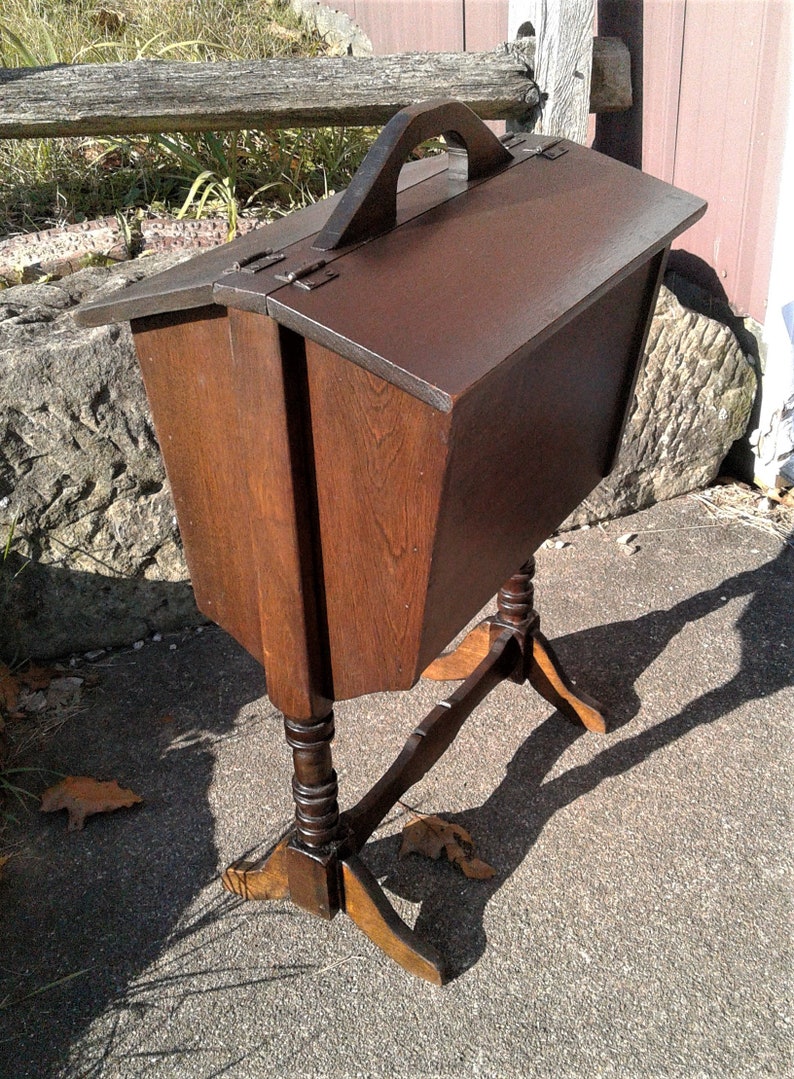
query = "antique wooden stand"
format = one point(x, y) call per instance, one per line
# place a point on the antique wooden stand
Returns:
point(316, 864)
point(371, 412)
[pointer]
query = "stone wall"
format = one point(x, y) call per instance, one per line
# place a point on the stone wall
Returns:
point(95, 557)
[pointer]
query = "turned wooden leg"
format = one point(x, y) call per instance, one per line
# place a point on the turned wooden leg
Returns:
point(515, 608)
point(315, 865)
point(324, 876)
point(304, 866)
point(312, 852)
point(542, 668)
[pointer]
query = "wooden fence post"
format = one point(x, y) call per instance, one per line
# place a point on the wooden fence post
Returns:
point(620, 134)
point(564, 51)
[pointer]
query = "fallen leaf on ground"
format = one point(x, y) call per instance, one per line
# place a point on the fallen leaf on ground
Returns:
point(4, 860)
point(32, 703)
point(35, 677)
point(64, 691)
point(82, 796)
point(432, 836)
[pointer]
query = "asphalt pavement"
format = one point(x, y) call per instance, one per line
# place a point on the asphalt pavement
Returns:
point(639, 920)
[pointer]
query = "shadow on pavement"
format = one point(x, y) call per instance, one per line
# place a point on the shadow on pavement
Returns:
point(608, 660)
point(118, 908)
point(96, 908)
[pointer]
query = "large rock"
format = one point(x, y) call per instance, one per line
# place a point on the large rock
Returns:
point(692, 402)
point(96, 558)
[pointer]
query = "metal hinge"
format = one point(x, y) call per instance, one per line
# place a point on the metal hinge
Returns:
point(255, 263)
point(550, 150)
point(309, 276)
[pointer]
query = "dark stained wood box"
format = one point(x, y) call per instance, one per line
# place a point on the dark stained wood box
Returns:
point(360, 463)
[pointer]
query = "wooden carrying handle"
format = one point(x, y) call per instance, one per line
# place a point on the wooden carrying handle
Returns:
point(369, 206)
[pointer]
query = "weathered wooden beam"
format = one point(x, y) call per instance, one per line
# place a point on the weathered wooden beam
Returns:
point(149, 96)
point(565, 56)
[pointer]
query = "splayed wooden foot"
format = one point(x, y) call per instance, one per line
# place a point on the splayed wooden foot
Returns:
point(546, 676)
point(262, 879)
point(471, 651)
point(366, 904)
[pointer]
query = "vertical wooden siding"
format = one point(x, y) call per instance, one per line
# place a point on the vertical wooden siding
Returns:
point(485, 24)
point(429, 25)
point(716, 94)
point(408, 25)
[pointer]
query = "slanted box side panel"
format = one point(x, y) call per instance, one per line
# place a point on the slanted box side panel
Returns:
point(380, 456)
point(185, 359)
point(528, 444)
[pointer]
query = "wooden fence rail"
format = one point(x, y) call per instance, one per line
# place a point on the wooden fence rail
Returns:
point(150, 96)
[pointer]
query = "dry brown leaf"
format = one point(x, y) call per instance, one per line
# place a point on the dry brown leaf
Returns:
point(35, 677)
point(432, 836)
point(82, 796)
point(4, 860)
point(476, 868)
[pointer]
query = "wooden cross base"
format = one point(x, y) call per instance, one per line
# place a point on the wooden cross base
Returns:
point(316, 864)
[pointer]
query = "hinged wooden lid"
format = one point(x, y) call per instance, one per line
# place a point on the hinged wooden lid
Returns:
point(442, 300)
point(190, 284)
point(461, 272)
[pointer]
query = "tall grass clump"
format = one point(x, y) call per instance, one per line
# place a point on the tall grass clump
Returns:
point(46, 182)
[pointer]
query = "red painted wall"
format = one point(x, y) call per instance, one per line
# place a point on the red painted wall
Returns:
point(716, 92)
point(429, 25)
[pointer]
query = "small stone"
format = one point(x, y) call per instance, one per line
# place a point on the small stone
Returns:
point(627, 538)
point(172, 648)
point(33, 702)
point(629, 549)
point(63, 692)
point(559, 544)
point(138, 645)
point(157, 636)
point(95, 653)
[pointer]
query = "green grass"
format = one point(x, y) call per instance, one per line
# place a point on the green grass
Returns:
point(46, 182)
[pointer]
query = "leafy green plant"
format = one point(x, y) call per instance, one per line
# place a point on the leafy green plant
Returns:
point(48, 182)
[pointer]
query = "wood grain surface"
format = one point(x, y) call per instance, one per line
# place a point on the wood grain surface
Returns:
point(379, 456)
point(151, 96)
point(186, 361)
